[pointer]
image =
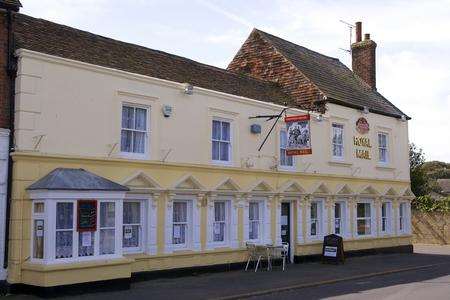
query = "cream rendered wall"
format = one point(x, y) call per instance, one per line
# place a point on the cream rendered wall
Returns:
point(71, 108)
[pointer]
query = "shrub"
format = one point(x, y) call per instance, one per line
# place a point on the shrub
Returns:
point(428, 204)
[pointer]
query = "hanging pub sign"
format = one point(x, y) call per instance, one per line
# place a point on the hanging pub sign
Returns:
point(87, 215)
point(298, 135)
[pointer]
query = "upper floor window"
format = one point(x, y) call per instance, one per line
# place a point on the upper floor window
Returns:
point(134, 130)
point(382, 147)
point(221, 141)
point(338, 140)
point(285, 160)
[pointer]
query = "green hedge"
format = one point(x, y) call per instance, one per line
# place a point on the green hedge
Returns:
point(428, 204)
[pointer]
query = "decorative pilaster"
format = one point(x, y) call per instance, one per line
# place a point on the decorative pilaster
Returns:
point(278, 201)
point(153, 224)
point(300, 205)
point(196, 219)
point(168, 223)
point(267, 238)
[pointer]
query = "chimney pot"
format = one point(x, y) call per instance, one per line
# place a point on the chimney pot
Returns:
point(367, 36)
point(358, 31)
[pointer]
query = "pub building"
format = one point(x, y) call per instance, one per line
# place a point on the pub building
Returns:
point(129, 160)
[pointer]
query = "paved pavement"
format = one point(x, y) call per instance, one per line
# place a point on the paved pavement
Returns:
point(429, 267)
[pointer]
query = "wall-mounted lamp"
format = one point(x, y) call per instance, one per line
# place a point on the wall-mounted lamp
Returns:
point(188, 88)
point(255, 128)
point(365, 110)
point(319, 118)
point(403, 118)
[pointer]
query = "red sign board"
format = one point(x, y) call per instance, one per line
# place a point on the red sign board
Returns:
point(298, 135)
point(87, 215)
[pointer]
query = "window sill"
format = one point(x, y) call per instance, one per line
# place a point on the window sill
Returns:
point(222, 163)
point(338, 162)
point(135, 156)
point(286, 168)
point(386, 167)
point(69, 265)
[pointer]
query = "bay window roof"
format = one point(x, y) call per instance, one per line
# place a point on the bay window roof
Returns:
point(75, 179)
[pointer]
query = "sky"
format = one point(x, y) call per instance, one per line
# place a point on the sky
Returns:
point(413, 38)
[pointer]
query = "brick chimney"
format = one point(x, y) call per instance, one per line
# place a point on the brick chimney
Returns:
point(363, 57)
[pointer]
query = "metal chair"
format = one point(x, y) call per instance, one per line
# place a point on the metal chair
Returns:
point(281, 251)
point(251, 250)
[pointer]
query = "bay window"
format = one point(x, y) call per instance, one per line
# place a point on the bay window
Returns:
point(64, 230)
point(363, 218)
point(221, 141)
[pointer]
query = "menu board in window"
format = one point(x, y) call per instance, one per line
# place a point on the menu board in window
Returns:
point(87, 215)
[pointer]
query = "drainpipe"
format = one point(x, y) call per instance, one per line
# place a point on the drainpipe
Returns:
point(12, 72)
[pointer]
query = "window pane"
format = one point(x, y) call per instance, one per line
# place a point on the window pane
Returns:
point(126, 140)
point(314, 210)
point(283, 160)
point(216, 130)
point(253, 210)
point(224, 151)
point(225, 131)
point(363, 210)
point(107, 243)
point(64, 215)
point(215, 150)
point(86, 244)
point(127, 117)
point(131, 236)
point(363, 226)
point(39, 208)
point(139, 142)
point(219, 211)
point(283, 139)
point(289, 160)
point(107, 214)
point(180, 212)
point(314, 227)
point(337, 210)
point(141, 119)
point(219, 232)
point(179, 233)
point(131, 212)
point(253, 231)
point(38, 239)
point(64, 243)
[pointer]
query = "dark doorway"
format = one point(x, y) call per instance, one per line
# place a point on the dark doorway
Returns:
point(286, 225)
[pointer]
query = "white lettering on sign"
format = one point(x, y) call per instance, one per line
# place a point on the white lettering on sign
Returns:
point(330, 251)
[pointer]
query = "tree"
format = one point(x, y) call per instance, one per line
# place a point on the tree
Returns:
point(419, 183)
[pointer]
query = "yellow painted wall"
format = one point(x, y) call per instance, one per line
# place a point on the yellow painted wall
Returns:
point(29, 167)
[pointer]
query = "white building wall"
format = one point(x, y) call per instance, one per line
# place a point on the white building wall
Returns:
point(71, 108)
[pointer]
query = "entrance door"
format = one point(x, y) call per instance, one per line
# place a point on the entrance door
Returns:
point(286, 225)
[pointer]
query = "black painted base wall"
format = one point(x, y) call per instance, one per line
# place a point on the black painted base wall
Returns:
point(121, 284)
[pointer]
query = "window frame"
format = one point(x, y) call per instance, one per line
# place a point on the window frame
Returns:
point(188, 242)
point(226, 221)
point(333, 126)
point(284, 167)
point(136, 155)
point(319, 219)
point(260, 222)
point(142, 224)
point(387, 217)
point(380, 147)
point(370, 219)
point(403, 227)
point(342, 219)
point(230, 142)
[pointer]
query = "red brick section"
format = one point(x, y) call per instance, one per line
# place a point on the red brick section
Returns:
point(260, 59)
point(4, 78)
point(363, 61)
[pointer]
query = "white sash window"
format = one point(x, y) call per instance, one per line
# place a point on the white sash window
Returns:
point(107, 227)
point(134, 130)
point(363, 218)
point(254, 217)
point(386, 208)
point(64, 230)
point(383, 147)
point(221, 141)
point(180, 223)
point(132, 225)
point(338, 141)
point(286, 161)
point(220, 217)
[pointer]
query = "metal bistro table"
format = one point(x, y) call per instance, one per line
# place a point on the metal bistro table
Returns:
point(268, 252)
